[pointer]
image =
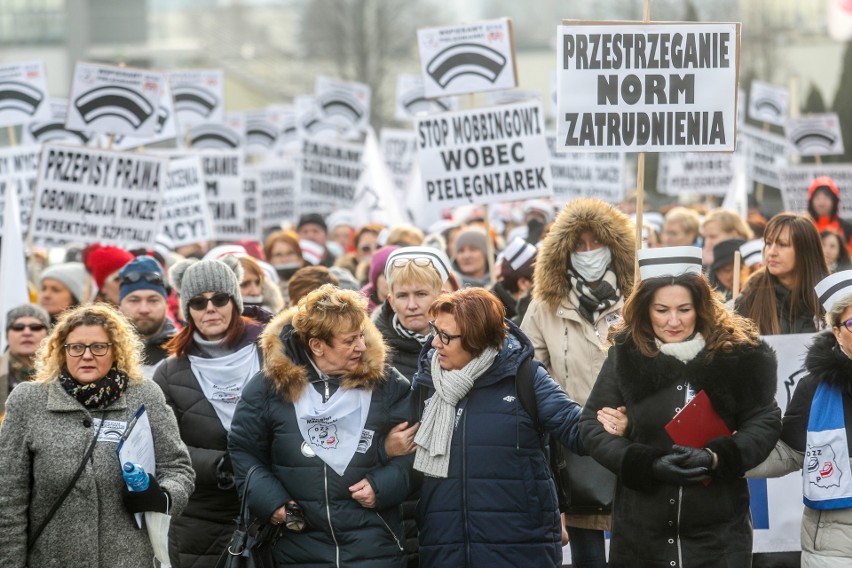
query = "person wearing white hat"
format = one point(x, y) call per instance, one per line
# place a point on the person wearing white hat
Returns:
point(820, 416)
point(679, 505)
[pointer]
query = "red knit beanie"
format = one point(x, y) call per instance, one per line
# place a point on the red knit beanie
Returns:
point(101, 261)
point(826, 182)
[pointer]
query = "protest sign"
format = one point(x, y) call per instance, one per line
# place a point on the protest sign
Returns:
point(768, 103)
point(227, 135)
point(695, 172)
point(345, 104)
point(288, 135)
point(411, 99)
point(199, 96)
point(467, 58)
point(114, 100)
point(248, 227)
point(647, 87)
point(262, 128)
point(795, 181)
point(375, 198)
point(96, 196)
point(277, 194)
point(484, 155)
point(53, 129)
point(23, 93)
point(815, 135)
point(398, 148)
point(329, 173)
point(223, 178)
point(310, 120)
point(19, 166)
point(166, 128)
point(578, 174)
point(185, 215)
point(766, 155)
point(511, 96)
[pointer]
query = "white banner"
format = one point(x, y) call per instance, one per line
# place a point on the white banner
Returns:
point(647, 87)
point(199, 96)
point(484, 155)
point(411, 99)
point(95, 196)
point(695, 172)
point(399, 148)
point(795, 181)
point(19, 166)
point(277, 194)
point(345, 104)
point(768, 103)
point(815, 135)
point(166, 128)
point(766, 155)
point(467, 58)
point(577, 174)
point(185, 215)
point(329, 174)
point(24, 97)
point(247, 228)
point(114, 100)
point(223, 176)
point(53, 129)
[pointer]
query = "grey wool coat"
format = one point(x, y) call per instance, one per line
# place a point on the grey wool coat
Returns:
point(42, 440)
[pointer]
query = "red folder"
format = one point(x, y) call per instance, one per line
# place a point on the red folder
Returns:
point(697, 423)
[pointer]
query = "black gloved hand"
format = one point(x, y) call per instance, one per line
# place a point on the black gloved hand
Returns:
point(152, 499)
point(694, 457)
point(669, 469)
point(225, 472)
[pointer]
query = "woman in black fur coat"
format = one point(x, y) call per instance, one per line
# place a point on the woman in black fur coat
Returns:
point(677, 506)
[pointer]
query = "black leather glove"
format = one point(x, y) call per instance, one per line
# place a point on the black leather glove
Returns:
point(694, 457)
point(224, 472)
point(669, 469)
point(152, 499)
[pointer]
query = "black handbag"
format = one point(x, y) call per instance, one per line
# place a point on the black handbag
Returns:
point(590, 487)
point(252, 543)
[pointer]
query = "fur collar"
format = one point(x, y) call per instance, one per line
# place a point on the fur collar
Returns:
point(282, 355)
point(612, 227)
point(826, 362)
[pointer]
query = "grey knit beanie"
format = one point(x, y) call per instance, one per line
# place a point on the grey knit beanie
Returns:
point(73, 276)
point(27, 311)
point(193, 277)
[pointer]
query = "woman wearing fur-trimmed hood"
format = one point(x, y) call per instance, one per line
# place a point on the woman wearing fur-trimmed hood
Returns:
point(314, 421)
point(584, 270)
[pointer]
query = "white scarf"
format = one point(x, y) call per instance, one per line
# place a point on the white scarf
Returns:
point(334, 429)
point(685, 351)
point(435, 434)
point(222, 379)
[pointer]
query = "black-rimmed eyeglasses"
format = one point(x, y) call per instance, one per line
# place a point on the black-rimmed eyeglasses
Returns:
point(442, 335)
point(77, 349)
point(847, 324)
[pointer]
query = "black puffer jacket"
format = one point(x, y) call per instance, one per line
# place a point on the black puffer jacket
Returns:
point(655, 524)
point(264, 432)
point(200, 534)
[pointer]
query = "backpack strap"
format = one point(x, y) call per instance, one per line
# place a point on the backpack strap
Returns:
point(524, 383)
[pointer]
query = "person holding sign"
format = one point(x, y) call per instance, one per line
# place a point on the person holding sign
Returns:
point(677, 505)
point(583, 272)
point(315, 420)
point(780, 297)
point(87, 389)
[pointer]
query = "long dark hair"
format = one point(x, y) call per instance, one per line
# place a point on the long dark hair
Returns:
point(842, 257)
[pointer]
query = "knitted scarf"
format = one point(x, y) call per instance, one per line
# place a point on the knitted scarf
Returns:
point(435, 435)
point(592, 302)
point(407, 333)
point(99, 394)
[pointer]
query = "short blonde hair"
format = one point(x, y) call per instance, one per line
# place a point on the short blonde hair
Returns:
point(405, 235)
point(687, 218)
point(326, 311)
point(729, 222)
point(126, 345)
point(411, 272)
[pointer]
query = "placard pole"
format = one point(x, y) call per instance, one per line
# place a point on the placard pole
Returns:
point(640, 171)
point(13, 135)
point(735, 288)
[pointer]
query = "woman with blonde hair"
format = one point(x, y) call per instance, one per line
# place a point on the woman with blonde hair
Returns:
point(720, 225)
point(88, 387)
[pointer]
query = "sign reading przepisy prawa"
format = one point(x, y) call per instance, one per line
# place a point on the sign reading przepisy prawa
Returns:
point(95, 196)
point(647, 87)
point(484, 155)
point(185, 217)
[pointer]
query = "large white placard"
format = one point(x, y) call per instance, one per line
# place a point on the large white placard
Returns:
point(578, 174)
point(185, 215)
point(696, 172)
point(484, 155)
point(223, 176)
point(345, 104)
point(248, 228)
point(166, 128)
point(647, 87)
point(329, 174)
point(766, 155)
point(411, 99)
point(96, 196)
point(288, 136)
point(114, 100)
point(199, 96)
point(23, 93)
point(795, 181)
point(19, 165)
point(227, 135)
point(310, 120)
point(277, 194)
point(53, 129)
point(815, 135)
point(467, 58)
point(768, 103)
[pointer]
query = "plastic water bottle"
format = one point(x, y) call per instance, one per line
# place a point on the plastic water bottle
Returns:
point(135, 477)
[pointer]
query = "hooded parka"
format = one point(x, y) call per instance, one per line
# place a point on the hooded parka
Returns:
point(264, 432)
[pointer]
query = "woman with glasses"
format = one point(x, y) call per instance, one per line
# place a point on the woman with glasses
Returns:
point(26, 326)
point(815, 437)
point(487, 498)
point(212, 359)
point(87, 389)
point(314, 421)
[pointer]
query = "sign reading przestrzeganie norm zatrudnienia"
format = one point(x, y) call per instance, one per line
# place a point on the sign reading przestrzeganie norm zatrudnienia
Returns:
point(95, 196)
point(647, 87)
point(484, 155)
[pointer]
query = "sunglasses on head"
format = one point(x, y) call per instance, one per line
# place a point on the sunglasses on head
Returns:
point(134, 277)
point(31, 326)
point(199, 303)
point(417, 260)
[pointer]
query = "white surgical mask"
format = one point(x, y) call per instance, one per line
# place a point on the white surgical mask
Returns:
point(253, 300)
point(591, 265)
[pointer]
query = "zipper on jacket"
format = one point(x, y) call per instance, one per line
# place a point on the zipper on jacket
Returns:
point(464, 488)
point(327, 395)
point(328, 513)
point(816, 529)
point(390, 530)
point(679, 503)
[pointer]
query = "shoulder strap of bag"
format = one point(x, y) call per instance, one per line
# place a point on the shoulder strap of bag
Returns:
point(526, 392)
point(243, 520)
point(68, 488)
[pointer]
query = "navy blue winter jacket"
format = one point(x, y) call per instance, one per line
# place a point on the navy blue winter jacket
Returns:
point(497, 506)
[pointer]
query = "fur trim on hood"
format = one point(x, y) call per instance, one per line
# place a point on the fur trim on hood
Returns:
point(829, 364)
point(610, 225)
point(285, 365)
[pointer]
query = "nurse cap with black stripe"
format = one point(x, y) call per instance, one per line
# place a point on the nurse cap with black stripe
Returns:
point(669, 262)
point(834, 287)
